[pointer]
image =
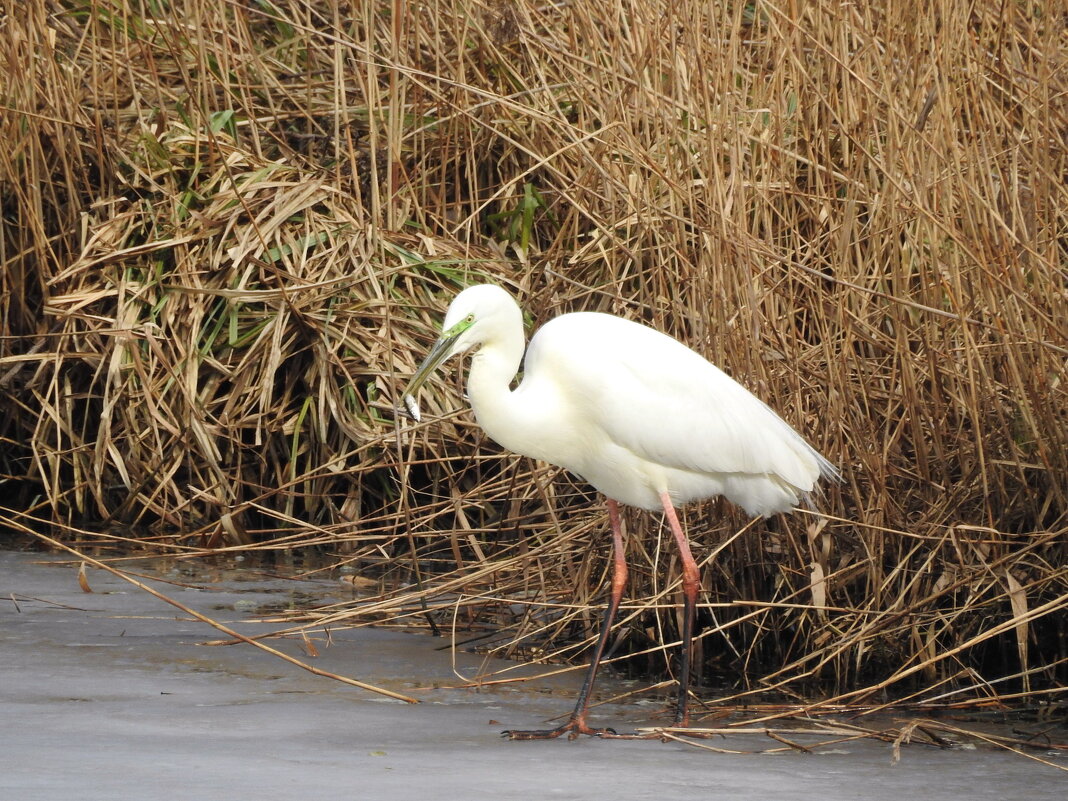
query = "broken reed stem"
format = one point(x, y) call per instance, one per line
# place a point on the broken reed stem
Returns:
point(86, 559)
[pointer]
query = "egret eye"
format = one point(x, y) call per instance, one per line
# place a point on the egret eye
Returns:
point(470, 318)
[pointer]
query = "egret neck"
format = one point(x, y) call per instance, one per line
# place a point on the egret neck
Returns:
point(500, 411)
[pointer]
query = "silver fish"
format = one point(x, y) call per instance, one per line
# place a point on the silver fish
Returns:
point(412, 405)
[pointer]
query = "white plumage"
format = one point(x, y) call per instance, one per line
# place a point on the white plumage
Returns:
point(637, 414)
point(631, 410)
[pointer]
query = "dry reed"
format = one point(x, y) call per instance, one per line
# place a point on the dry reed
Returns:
point(228, 231)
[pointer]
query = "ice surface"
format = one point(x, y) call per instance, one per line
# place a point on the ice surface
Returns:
point(109, 696)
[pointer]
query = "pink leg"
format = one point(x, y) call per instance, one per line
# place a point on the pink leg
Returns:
point(691, 582)
point(577, 724)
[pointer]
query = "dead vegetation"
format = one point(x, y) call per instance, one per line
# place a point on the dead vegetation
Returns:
point(228, 231)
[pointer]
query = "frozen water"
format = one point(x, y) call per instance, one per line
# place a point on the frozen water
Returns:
point(110, 696)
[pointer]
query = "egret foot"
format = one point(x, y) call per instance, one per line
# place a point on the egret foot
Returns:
point(573, 728)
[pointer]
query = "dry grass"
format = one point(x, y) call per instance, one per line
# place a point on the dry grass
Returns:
point(229, 230)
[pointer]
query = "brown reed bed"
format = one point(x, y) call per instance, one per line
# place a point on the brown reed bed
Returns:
point(229, 230)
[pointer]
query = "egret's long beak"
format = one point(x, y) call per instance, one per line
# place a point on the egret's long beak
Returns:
point(441, 351)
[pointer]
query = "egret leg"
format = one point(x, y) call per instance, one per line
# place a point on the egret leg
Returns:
point(691, 582)
point(577, 724)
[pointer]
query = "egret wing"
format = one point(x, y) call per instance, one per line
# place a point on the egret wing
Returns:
point(667, 404)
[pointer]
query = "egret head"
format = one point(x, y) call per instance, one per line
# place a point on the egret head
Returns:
point(474, 317)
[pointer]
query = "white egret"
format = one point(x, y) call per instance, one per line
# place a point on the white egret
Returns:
point(638, 415)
